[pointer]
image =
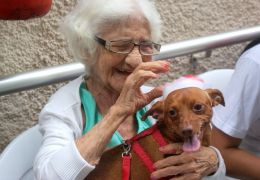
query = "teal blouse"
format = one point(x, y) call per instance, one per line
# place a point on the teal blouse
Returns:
point(93, 116)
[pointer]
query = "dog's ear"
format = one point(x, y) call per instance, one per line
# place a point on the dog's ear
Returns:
point(156, 111)
point(216, 97)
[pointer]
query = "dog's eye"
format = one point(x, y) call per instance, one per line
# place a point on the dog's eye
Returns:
point(198, 107)
point(173, 113)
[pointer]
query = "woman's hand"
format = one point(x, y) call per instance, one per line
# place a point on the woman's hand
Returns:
point(187, 165)
point(131, 98)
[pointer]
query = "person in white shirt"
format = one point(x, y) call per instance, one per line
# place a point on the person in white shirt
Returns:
point(116, 40)
point(236, 126)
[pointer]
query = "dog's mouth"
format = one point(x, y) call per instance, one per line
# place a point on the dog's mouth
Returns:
point(192, 140)
point(191, 143)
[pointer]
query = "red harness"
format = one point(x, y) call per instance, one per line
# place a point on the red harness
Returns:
point(138, 149)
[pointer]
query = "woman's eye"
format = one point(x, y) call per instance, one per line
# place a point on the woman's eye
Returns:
point(173, 113)
point(198, 107)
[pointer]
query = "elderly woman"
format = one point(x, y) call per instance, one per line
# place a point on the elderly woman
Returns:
point(116, 40)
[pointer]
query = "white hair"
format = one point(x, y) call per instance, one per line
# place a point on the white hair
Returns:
point(90, 18)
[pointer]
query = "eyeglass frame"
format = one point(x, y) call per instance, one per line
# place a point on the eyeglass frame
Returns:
point(107, 43)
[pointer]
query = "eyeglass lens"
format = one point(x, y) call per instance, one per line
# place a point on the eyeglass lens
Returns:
point(145, 48)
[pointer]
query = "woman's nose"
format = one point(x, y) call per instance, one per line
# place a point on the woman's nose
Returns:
point(134, 58)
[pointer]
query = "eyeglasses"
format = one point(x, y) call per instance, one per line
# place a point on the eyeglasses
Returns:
point(146, 48)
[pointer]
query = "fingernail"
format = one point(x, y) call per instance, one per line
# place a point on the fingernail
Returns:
point(166, 65)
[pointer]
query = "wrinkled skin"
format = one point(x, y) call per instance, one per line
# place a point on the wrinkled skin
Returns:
point(176, 164)
point(115, 82)
point(186, 166)
point(133, 83)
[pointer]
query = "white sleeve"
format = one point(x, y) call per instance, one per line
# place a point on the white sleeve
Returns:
point(242, 100)
point(220, 174)
point(59, 158)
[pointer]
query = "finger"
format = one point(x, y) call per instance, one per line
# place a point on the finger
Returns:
point(191, 167)
point(207, 157)
point(173, 160)
point(144, 76)
point(172, 148)
point(200, 169)
point(176, 170)
point(190, 176)
point(138, 78)
point(155, 66)
point(169, 171)
point(156, 92)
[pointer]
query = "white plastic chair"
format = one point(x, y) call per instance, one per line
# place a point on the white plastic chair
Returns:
point(218, 78)
point(16, 160)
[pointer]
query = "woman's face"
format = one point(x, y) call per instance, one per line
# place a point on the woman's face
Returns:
point(112, 69)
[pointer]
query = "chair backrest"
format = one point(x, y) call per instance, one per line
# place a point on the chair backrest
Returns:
point(218, 78)
point(16, 160)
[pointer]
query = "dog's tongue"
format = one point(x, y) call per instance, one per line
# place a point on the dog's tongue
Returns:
point(191, 144)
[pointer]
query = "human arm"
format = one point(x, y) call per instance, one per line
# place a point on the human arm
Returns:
point(58, 157)
point(65, 153)
point(129, 101)
point(195, 165)
point(240, 163)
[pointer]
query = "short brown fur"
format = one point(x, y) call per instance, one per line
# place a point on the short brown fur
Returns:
point(185, 101)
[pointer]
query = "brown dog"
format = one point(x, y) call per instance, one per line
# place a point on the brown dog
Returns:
point(184, 116)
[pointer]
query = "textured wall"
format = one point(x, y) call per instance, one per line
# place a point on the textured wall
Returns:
point(36, 43)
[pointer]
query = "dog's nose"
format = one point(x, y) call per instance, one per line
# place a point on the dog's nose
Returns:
point(187, 132)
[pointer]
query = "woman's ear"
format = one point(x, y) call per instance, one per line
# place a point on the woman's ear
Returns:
point(216, 97)
point(156, 111)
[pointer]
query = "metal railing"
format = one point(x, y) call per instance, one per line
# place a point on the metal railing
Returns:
point(55, 74)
